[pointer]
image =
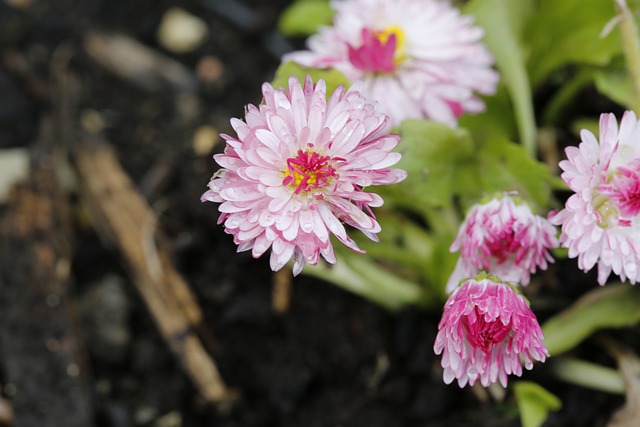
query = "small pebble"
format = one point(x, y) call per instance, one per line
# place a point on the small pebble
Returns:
point(181, 32)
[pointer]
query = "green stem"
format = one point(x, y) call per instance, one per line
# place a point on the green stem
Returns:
point(588, 374)
point(631, 48)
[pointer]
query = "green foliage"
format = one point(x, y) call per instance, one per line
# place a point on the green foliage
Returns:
point(615, 82)
point(304, 17)
point(502, 21)
point(566, 32)
point(445, 163)
point(613, 306)
point(333, 78)
point(534, 403)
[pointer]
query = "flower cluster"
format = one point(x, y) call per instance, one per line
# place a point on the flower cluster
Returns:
point(417, 58)
point(297, 171)
point(601, 222)
point(487, 326)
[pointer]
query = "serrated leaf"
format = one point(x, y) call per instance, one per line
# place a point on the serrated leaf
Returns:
point(332, 77)
point(534, 403)
point(612, 306)
point(304, 17)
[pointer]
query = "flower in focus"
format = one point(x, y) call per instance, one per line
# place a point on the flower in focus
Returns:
point(297, 171)
point(504, 238)
point(600, 221)
point(486, 331)
point(417, 58)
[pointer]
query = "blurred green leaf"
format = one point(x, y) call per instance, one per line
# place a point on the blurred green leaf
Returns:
point(569, 31)
point(615, 83)
point(363, 276)
point(304, 17)
point(612, 306)
point(534, 403)
point(503, 21)
point(333, 78)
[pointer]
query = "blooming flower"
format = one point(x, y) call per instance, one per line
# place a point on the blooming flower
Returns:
point(504, 238)
point(485, 331)
point(297, 170)
point(600, 222)
point(417, 58)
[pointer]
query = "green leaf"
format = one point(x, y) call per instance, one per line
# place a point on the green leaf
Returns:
point(569, 31)
point(502, 21)
point(304, 17)
point(332, 77)
point(615, 83)
point(444, 163)
point(587, 374)
point(613, 306)
point(438, 160)
point(364, 277)
point(505, 166)
point(534, 403)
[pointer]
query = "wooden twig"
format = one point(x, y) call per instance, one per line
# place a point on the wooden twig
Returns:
point(124, 217)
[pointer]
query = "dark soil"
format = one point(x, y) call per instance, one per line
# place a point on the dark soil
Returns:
point(333, 359)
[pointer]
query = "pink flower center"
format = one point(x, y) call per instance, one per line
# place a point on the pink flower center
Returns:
point(502, 245)
point(380, 52)
point(483, 334)
point(623, 189)
point(309, 171)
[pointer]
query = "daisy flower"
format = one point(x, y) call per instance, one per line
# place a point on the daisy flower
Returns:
point(297, 171)
point(417, 58)
point(600, 221)
point(486, 331)
point(504, 238)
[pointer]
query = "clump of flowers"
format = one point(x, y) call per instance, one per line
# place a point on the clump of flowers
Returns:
point(504, 238)
point(298, 170)
point(417, 58)
point(600, 221)
point(486, 331)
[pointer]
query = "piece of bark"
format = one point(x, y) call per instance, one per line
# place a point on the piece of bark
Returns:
point(122, 215)
point(45, 373)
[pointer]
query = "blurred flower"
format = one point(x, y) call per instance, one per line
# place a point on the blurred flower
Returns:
point(417, 58)
point(298, 169)
point(600, 222)
point(486, 331)
point(504, 238)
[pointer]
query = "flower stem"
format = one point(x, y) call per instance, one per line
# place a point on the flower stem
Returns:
point(631, 48)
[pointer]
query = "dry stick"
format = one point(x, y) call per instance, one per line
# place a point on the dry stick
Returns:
point(127, 219)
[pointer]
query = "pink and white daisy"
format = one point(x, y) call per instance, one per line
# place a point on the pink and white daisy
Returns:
point(601, 222)
point(298, 169)
point(486, 331)
point(417, 58)
point(504, 238)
